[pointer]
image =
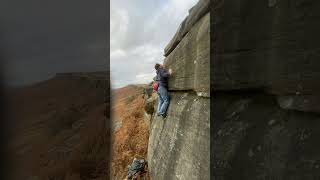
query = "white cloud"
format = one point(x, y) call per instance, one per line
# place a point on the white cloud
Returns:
point(117, 54)
point(144, 78)
point(148, 52)
point(140, 30)
point(119, 21)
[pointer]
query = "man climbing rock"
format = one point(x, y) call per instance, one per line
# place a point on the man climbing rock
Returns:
point(162, 79)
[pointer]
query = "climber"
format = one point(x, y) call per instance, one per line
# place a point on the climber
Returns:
point(162, 89)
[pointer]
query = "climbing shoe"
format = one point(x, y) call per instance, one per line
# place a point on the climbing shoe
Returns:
point(163, 116)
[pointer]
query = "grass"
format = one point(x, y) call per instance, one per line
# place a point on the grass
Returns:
point(131, 141)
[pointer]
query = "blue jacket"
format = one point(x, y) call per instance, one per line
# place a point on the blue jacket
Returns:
point(162, 77)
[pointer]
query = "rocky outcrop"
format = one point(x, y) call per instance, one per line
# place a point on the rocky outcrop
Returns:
point(149, 107)
point(273, 47)
point(273, 143)
point(190, 61)
point(179, 145)
point(265, 83)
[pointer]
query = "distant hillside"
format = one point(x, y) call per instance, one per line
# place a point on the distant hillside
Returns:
point(58, 129)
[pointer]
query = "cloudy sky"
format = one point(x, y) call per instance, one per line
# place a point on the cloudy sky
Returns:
point(40, 38)
point(139, 31)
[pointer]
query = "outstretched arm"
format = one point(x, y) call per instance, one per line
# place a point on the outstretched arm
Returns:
point(166, 74)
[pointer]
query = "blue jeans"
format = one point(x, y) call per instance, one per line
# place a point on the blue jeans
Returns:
point(164, 100)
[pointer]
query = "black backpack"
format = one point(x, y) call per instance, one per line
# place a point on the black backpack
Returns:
point(137, 167)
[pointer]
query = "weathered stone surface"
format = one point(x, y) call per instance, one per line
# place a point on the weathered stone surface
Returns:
point(147, 118)
point(148, 91)
point(150, 105)
point(253, 138)
point(301, 103)
point(269, 45)
point(179, 145)
point(265, 74)
point(190, 60)
point(195, 13)
point(116, 125)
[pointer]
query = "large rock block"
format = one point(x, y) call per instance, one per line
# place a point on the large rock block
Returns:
point(253, 138)
point(271, 45)
point(190, 60)
point(179, 146)
point(149, 104)
point(150, 107)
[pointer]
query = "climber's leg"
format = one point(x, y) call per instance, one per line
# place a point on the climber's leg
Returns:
point(165, 97)
point(160, 102)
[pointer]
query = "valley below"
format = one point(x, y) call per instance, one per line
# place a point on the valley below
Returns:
point(58, 128)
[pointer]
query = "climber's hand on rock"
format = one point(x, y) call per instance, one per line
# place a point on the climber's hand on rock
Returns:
point(170, 71)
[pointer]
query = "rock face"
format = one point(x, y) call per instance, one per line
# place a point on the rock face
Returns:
point(265, 74)
point(270, 46)
point(190, 60)
point(179, 145)
point(272, 142)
